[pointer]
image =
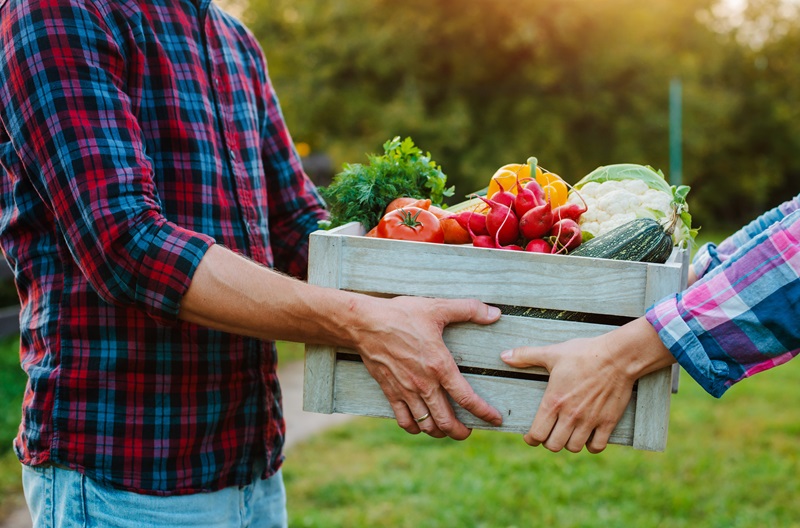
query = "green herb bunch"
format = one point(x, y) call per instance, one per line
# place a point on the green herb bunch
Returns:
point(361, 192)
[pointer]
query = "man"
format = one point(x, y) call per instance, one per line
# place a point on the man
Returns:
point(738, 317)
point(149, 185)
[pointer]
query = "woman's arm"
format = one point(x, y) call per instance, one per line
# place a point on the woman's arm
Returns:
point(711, 255)
point(738, 320)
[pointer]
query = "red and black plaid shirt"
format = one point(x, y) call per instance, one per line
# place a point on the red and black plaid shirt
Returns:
point(133, 135)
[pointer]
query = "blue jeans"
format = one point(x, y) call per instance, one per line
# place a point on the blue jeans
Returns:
point(62, 498)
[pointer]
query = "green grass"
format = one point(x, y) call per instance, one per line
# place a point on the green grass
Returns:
point(729, 463)
point(289, 352)
point(12, 386)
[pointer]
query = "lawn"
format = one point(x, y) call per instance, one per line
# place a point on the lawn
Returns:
point(731, 462)
point(12, 385)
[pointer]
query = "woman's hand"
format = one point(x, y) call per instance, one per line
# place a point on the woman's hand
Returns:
point(591, 381)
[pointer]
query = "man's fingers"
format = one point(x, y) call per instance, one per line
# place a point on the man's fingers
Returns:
point(445, 419)
point(463, 310)
point(424, 416)
point(462, 393)
point(404, 418)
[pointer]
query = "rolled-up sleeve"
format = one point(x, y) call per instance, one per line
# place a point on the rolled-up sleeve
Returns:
point(710, 255)
point(742, 316)
point(65, 108)
point(295, 206)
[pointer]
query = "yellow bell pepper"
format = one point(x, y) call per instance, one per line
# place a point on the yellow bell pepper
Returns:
point(554, 187)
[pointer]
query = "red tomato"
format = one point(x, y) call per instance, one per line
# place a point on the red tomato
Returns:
point(411, 223)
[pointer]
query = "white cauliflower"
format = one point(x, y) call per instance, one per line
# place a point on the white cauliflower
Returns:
point(617, 194)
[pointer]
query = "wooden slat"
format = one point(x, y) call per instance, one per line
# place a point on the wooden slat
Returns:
point(320, 360)
point(684, 258)
point(504, 277)
point(652, 411)
point(358, 393)
point(480, 346)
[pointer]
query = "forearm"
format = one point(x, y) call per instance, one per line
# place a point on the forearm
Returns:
point(231, 293)
point(636, 349)
point(399, 339)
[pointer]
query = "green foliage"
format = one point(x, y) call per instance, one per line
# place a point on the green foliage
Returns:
point(578, 84)
point(360, 192)
point(12, 387)
point(729, 463)
point(290, 351)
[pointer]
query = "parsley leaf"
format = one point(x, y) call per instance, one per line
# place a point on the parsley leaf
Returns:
point(361, 192)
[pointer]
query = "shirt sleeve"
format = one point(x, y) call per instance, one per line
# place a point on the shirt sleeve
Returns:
point(741, 317)
point(295, 206)
point(63, 104)
point(710, 256)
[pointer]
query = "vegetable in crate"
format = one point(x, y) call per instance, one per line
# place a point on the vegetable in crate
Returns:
point(618, 194)
point(360, 192)
point(453, 232)
point(641, 240)
point(411, 223)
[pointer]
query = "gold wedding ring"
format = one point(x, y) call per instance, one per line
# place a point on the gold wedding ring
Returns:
point(423, 417)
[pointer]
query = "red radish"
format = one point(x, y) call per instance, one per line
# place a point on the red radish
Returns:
point(537, 191)
point(472, 222)
point(504, 197)
point(537, 222)
point(525, 200)
point(567, 235)
point(484, 241)
point(502, 223)
point(513, 247)
point(571, 211)
point(477, 240)
point(539, 245)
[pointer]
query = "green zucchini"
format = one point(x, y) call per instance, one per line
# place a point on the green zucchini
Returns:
point(641, 240)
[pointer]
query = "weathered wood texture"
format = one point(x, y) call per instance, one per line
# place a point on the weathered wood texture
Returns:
point(389, 267)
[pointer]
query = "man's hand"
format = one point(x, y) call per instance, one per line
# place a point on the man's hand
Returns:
point(591, 381)
point(403, 350)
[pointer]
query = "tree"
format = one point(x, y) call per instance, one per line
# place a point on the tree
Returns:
point(576, 83)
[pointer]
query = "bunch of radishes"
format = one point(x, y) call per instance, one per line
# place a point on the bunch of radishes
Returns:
point(524, 221)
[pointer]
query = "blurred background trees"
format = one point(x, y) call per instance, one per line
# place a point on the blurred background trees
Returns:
point(577, 83)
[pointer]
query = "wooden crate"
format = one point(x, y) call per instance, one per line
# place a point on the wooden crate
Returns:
point(342, 259)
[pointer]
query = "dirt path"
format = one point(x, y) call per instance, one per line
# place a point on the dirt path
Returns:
point(299, 426)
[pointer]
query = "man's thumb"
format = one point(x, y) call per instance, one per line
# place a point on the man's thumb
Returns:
point(524, 357)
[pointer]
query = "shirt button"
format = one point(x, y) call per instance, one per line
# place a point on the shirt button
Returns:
point(216, 82)
point(233, 155)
